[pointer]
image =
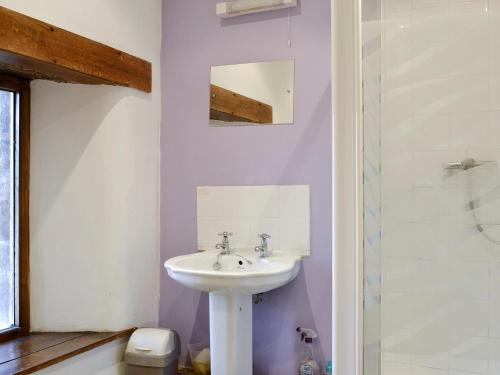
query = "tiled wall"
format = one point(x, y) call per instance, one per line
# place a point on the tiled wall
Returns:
point(246, 211)
point(440, 74)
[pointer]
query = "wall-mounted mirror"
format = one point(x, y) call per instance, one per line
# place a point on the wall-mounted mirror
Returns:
point(252, 94)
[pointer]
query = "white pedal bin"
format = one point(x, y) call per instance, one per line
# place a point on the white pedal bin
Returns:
point(152, 351)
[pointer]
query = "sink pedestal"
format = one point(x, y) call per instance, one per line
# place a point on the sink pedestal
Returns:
point(230, 289)
point(230, 334)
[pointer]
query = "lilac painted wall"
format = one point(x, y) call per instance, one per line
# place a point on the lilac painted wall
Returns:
point(194, 154)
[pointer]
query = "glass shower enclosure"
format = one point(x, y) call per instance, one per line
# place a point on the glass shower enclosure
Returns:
point(431, 118)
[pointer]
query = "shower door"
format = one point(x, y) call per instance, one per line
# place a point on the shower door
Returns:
point(431, 93)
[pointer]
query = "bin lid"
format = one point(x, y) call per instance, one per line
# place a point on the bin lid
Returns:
point(153, 347)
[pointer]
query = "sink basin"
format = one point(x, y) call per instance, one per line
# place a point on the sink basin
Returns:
point(230, 287)
point(236, 275)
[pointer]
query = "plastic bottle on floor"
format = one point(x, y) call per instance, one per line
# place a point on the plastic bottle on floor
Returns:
point(308, 365)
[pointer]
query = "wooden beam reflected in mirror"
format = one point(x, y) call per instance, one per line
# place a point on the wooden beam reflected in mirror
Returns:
point(229, 106)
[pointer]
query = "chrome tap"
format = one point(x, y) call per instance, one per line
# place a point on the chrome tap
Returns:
point(224, 246)
point(264, 246)
point(225, 249)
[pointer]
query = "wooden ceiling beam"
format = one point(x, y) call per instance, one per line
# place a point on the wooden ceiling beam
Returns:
point(37, 50)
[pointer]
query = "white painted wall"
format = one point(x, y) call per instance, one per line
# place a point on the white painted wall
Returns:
point(104, 360)
point(94, 178)
point(269, 82)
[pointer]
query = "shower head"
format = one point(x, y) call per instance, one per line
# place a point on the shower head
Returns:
point(467, 164)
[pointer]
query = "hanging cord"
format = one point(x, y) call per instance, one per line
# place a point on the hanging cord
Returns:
point(289, 29)
point(472, 206)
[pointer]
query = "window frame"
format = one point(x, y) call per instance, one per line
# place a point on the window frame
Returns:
point(21, 86)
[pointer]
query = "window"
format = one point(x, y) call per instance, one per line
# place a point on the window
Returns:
point(14, 212)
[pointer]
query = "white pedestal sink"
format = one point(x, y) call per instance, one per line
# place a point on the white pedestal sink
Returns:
point(230, 291)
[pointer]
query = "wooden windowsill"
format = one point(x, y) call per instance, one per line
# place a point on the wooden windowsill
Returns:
point(37, 351)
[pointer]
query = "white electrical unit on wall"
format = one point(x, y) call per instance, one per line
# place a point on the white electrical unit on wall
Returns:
point(239, 7)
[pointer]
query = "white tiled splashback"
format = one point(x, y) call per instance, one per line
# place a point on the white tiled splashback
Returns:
point(246, 211)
